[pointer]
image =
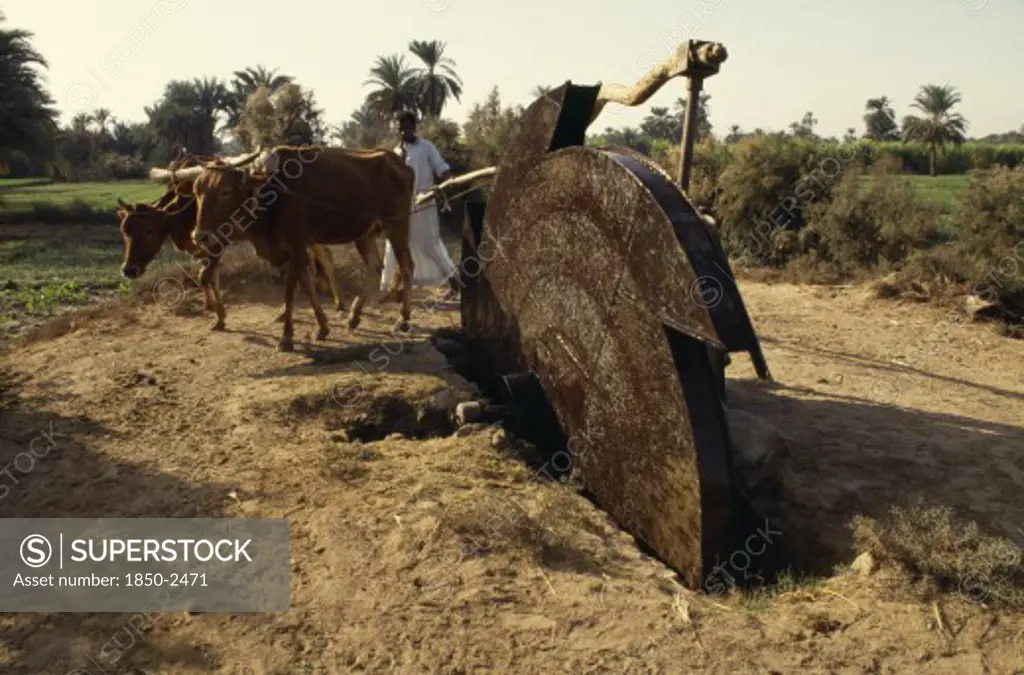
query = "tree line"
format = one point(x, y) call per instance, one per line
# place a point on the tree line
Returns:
point(259, 105)
point(932, 141)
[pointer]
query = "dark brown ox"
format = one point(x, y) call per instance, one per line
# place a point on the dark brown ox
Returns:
point(310, 195)
point(145, 227)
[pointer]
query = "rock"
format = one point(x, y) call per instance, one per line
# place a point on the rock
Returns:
point(449, 398)
point(395, 437)
point(755, 442)
point(978, 308)
point(864, 564)
point(499, 439)
point(468, 411)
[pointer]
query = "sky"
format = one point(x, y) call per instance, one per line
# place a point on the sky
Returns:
point(786, 57)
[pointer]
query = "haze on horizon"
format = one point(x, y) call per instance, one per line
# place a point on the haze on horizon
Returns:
point(786, 57)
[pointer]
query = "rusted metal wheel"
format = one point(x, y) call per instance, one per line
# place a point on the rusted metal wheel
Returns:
point(596, 279)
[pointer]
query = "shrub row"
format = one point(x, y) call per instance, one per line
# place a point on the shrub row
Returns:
point(76, 211)
point(782, 202)
point(911, 158)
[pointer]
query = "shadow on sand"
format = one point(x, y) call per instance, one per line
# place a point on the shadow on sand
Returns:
point(66, 478)
point(899, 370)
point(852, 456)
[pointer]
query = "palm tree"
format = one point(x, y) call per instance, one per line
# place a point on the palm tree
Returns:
point(247, 81)
point(254, 78)
point(187, 114)
point(396, 86)
point(661, 125)
point(939, 126)
point(104, 121)
point(81, 122)
point(366, 128)
point(880, 120)
point(805, 127)
point(27, 119)
point(437, 81)
point(211, 99)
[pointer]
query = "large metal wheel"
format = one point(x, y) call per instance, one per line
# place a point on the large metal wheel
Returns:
point(595, 279)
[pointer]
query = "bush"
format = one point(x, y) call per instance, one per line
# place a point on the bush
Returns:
point(993, 212)
point(913, 157)
point(75, 211)
point(986, 260)
point(444, 134)
point(860, 228)
point(934, 542)
point(120, 167)
point(764, 191)
point(710, 157)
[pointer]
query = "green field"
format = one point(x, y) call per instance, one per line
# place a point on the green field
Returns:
point(60, 246)
point(943, 192)
point(41, 274)
point(15, 182)
point(96, 195)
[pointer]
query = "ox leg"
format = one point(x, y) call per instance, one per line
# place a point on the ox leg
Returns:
point(308, 282)
point(367, 247)
point(208, 303)
point(355, 313)
point(296, 271)
point(209, 279)
point(332, 277)
point(406, 270)
point(398, 235)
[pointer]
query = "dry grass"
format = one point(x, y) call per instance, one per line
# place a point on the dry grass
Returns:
point(936, 543)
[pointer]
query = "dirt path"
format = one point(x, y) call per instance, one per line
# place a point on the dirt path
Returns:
point(162, 418)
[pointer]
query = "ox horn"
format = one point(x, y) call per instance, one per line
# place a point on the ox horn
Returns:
point(122, 204)
point(165, 176)
point(248, 159)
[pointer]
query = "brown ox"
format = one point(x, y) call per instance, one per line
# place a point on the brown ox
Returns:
point(145, 227)
point(310, 195)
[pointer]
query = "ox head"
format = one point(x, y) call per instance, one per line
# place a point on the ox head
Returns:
point(220, 188)
point(143, 227)
point(146, 226)
point(224, 195)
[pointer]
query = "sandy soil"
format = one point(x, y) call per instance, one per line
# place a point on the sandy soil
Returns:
point(162, 418)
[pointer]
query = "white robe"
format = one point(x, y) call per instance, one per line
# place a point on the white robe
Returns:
point(432, 265)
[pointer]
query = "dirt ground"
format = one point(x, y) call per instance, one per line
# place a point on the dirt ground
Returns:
point(161, 417)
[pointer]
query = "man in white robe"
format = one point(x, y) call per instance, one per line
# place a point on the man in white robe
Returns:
point(432, 266)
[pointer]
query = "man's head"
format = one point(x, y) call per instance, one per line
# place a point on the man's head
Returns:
point(407, 126)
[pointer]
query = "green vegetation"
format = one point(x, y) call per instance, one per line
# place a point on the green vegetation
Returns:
point(72, 202)
point(40, 274)
point(945, 193)
point(44, 299)
point(22, 182)
point(98, 195)
point(37, 261)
